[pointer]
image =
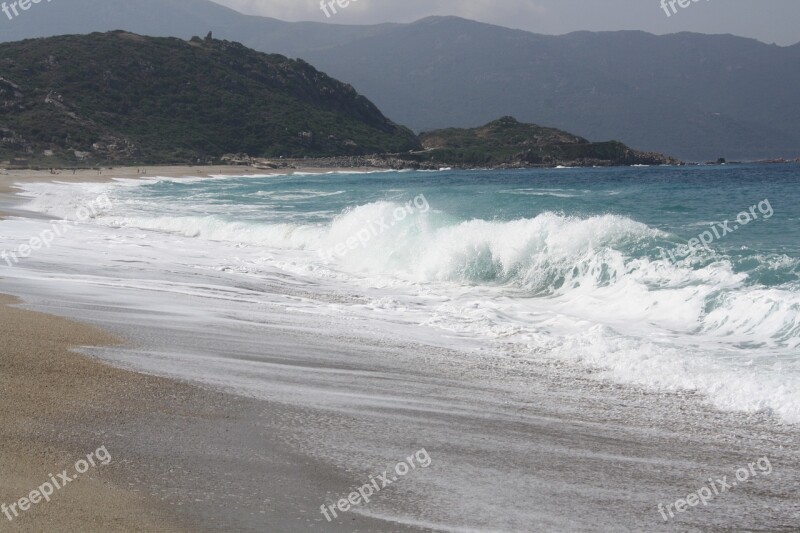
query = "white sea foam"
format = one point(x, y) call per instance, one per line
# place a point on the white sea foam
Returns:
point(584, 290)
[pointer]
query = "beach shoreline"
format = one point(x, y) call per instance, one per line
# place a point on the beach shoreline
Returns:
point(52, 398)
point(191, 455)
point(174, 445)
point(59, 405)
point(106, 174)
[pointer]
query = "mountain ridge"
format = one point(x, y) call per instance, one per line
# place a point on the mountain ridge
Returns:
point(696, 96)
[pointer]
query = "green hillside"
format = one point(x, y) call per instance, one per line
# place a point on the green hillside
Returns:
point(508, 142)
point(123, 98)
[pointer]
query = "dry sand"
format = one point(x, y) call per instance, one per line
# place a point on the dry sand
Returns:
point(49, 392)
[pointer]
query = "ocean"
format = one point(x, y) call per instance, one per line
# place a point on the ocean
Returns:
point(588, 268)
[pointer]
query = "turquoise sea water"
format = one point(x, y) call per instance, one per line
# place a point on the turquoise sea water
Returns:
point(587, 266)
point(681, 203)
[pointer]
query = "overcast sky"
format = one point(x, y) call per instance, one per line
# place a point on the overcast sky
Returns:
point(767, 20)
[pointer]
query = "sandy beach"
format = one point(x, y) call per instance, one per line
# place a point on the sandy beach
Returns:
point(274, 415)
point(53, 400)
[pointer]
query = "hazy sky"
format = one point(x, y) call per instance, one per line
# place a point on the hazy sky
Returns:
point(767, 20)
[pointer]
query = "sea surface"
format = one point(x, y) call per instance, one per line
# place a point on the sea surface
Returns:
point(581, 267)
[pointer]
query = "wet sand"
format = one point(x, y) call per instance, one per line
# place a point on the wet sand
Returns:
point(515, 445)
point(185, 458)
point(53, 403)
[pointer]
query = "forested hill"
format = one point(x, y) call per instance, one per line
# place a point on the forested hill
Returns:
point(124, 98)
point(507, 142)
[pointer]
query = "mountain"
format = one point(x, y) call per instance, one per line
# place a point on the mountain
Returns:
point(695, 96)
point(120, 97)
point(509, 143)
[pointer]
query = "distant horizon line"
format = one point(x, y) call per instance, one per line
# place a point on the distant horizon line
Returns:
point(416, 21)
